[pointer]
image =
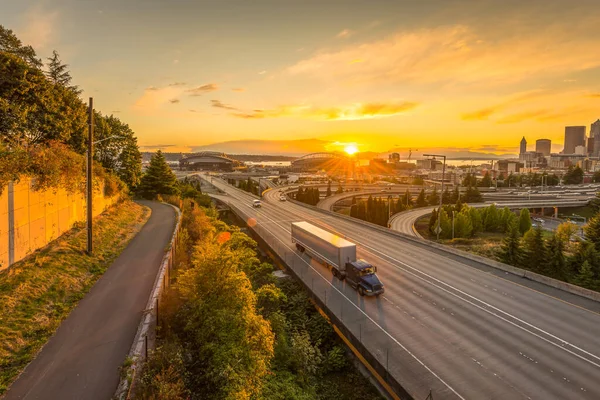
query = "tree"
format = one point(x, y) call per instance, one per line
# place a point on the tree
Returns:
point(158, 179)
point(58, 73)
point(433, 220)
point(447, 196)
point(524, 221)
point(472, 195)
point(573, 176)
point(407, 199)
point(510, 251)
point(476, 219)
point(463, 227)
point(340, 189)
point(507, 217)
point(585, 277)
point(361, 212)
point(418, 181)
point(535, 250)
point(469, 180)
point(595, 203)
point(445, 224)
point(370, 209)
point(492, 219)
point(421, 202)
point(565, 231)
point(328, 189)
point(556, 267)
point(455, 195)
point(596, 177)
point(592, 231)
point(9, 43)
point(486, 181)
point(354, 211)
point(433, 199)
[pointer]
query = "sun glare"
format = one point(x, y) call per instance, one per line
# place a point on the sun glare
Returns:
point(351, 149)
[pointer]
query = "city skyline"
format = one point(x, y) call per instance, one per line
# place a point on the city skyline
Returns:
point(457, 74)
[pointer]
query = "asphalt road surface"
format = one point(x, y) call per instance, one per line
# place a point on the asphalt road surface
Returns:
point(457, 327)
point(82, 360)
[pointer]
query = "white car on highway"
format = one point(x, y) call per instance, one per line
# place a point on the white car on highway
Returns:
point(256, 204)
point(282, 197)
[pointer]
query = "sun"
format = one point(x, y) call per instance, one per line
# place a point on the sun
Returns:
point(351, 149)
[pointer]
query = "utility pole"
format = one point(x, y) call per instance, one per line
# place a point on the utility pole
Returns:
point(90, 186)
point(453, 212)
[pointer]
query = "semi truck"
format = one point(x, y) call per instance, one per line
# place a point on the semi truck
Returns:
point(339, 255)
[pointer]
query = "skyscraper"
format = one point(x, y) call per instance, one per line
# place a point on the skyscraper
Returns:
point(523, 148)
point(574, 136)
point(543, 146)
point(595, 133)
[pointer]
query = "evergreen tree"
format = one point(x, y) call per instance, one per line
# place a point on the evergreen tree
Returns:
point(362, 210)
point(447, 196)
point(585, 277)
point(400, 206)
point(433, 220)
point(370, 209)
point(433, 199)
point(524, 221)
point(158, 179)
point(463, 227)
point(354, 211)
point(585, 251)
point(492, 219)
point(469, 180)
point(445, 224)
point(592, 231)
point(58, 73)
point(328, 189)
point(11, 44)
point(421, 202)
point(535, 250)
point(510, 251)
point(300, 194)
point(472, 195)
point(556, 267)
point(340, 189)
point(455, 195)
point(486, 181)
point(407, 199)
point(476, 220)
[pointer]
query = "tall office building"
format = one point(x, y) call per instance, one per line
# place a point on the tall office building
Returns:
point(543, 146)
point(574, 136)
point(523, 148)
point(595, 133)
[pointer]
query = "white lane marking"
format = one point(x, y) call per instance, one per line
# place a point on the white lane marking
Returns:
point(562, 341)
point(560, 346)
point(365, 314)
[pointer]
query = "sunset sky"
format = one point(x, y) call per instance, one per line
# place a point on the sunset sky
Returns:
point(382, 74)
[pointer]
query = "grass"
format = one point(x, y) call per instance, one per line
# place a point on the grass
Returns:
point(38, 292)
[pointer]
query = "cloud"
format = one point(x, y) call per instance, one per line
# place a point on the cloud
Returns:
point(175, 62)
point(594, 95)
point(356, 111)
point(344, 34)
point(39, 27)
point(153, 97)
point(460, 54)
point(151, 88)
point(174, 101)
point(522, 116)
point(262, 72)
point(194, 111)
point(219, 104)
point(156, 146)
point(177, 84)
point(200, 90)
point(238, 90)
point(478, 115)
point(115, 111)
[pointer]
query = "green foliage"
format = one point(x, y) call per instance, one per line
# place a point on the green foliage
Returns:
point(418, 181)
point(339, 189)
point(164, 374)
point(463, 228)
point(158, 179)
point(469, 180)
point(472, 195)
point(9, 43)
point(556, 266)
point(535, 257)
point(421, 201)
point(585, 277)
point(328, 193)
point(434, 198)
point(565, 231)
point(592, 231)
point(510, 252)
point(524, 221)
point(447, 196)
point(491, 221)
point(574, 176)
point(407, 199)
point(486, 181)
point(309, 195)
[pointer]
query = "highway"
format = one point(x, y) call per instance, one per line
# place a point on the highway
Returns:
point(459, 328)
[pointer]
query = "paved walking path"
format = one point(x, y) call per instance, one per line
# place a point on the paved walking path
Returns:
point(82, 360)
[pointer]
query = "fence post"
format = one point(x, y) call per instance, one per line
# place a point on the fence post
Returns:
point(146, 346)
point(156, 308)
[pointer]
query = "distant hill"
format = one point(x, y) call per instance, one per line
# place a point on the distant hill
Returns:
point(146, 155)
point(292, 148)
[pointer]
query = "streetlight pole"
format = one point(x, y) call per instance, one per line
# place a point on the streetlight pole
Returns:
point(441, 196)
point(453, 212)
point(89, 175)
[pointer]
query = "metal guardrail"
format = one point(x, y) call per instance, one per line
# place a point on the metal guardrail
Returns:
point(145, 337)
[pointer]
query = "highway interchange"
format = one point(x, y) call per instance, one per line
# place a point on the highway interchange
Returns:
point(463, 330)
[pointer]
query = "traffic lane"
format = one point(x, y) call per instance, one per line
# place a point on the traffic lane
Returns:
point(579, 324)
point(490, 343)
point(508, 385)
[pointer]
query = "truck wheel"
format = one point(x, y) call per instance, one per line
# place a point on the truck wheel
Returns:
point(361, 291)
point(300, 248)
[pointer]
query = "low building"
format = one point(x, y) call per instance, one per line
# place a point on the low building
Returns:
point(508, 166)
point(209, 161)
point(429, 163)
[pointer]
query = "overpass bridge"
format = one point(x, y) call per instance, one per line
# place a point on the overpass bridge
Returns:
point(446, 323)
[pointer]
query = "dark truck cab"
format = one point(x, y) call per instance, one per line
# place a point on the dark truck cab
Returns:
point(362, 276)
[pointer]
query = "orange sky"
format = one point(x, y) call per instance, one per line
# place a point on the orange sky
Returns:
point(468, 74)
